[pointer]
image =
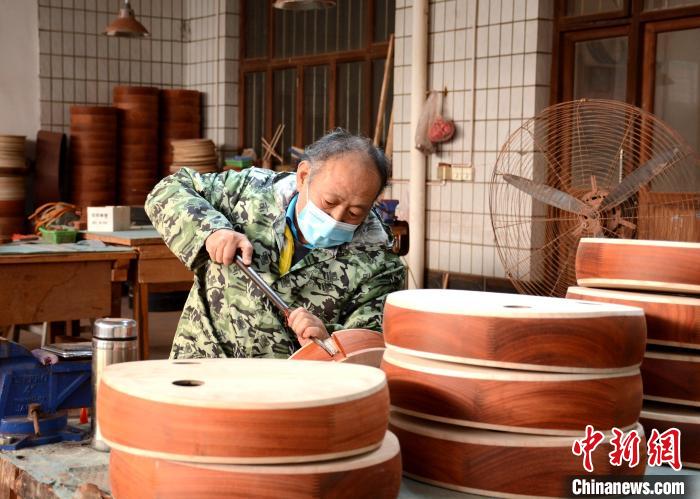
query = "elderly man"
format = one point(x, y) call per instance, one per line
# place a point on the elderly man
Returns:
point(311, 235)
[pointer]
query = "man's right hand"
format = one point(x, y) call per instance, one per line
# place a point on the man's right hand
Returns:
point(223, 244)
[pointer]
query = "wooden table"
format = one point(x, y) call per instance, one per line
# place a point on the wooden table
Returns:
point(155, 269)
point(47, 283)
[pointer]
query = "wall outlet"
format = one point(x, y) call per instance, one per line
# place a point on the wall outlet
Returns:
point(456, 173)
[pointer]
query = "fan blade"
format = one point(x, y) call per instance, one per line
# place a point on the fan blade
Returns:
point(637, 179)
point(549, 195)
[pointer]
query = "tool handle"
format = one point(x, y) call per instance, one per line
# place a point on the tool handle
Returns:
point(255, 278)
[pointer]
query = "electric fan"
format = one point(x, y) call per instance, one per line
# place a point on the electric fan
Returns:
point(588, 168)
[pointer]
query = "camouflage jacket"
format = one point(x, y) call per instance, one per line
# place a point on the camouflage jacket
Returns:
point(225, 315)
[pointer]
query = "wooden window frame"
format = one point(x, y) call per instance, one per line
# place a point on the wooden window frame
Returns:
point(609, 24)
point(371, 50)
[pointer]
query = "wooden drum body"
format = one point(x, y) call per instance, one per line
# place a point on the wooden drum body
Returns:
point(497, 464)
point(514, 331)
point(672, 377)
point(357, 346)
point(373, 475)
point(671, 320)
point(638, 264)
point(686, 419)
point(249, 411)
point(506, 400)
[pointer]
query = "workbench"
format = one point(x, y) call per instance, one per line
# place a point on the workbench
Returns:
point(56, 471)
point(61, 282)
point(156, 269)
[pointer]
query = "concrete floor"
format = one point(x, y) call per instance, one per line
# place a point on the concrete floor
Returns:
point(162, 329)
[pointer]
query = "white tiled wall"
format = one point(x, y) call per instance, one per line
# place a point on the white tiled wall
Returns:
point(193, 44)
point(211, 55)
point(513, 58)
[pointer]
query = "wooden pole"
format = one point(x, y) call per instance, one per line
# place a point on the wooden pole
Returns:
point(385, 86)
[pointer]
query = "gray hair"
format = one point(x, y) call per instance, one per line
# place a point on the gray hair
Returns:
point(339, 142)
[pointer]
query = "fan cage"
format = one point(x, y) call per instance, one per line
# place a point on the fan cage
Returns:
point(586, 148)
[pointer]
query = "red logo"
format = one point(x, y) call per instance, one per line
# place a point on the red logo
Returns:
point(587, 445)
point(662, 448)
point(665, 448)
point(625, 448)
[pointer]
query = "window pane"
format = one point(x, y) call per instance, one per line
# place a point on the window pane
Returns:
point(668, 4)
point(254, 109)
point(383, 19)
point(256, 29)
point(588, 7)
point(600, 70)
point(284, 104)
point(377, 77)
point(350, 98)
point(676, 97)
point(315, 103)
point(299, 33)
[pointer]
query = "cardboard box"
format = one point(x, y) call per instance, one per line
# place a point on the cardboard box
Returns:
point(108, 218)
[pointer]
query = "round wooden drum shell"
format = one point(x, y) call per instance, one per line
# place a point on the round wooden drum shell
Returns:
point(514, 331)
point(687, 420)
point(672, 377)
point(671, 320)
point(359, 346)
point(139, 107)
point(373, 475)
point(249, 411)
point(507, 400)
point(122, 91)
point(639, 264)
point(13, 192)
point(497, 464)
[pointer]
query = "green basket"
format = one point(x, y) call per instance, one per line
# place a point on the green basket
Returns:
point(58, 235)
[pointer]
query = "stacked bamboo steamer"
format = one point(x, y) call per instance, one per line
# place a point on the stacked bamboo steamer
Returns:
point(138, 147)
point(490, 390)
point(180, 118)
point(663, 278)
point(93, 153)
point(248, 428)
point(12, 185)
point(197, 154)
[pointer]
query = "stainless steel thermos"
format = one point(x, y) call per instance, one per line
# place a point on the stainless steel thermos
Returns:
point(113, 341)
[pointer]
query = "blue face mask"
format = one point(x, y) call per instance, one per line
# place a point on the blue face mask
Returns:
point(320, 229)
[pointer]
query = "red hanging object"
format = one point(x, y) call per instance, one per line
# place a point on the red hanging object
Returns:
point(441, 130)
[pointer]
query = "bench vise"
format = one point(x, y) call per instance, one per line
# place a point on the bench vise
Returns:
point(34, 397)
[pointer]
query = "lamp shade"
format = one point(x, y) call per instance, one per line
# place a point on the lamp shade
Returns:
point(126, 24)
point(303, 4)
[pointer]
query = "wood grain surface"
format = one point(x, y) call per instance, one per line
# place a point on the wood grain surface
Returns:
point(497, 464)
point(358, 346)
point(514, 331)
point(671, 320)
point(373, 475)
point(519, 401)
point(243, 410)
point(686, 419)
point(138, 141)
point(672, 377)
point(639, 264)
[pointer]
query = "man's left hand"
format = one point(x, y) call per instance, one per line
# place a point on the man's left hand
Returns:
point(306, 325)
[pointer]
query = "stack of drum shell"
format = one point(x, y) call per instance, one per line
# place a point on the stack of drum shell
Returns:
point(180, 118)
point(490, 390)
point(197, 154)
point(12, 185)
point(93, 153)
point(662, 278)
point(138, 150)
point(244, 443)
